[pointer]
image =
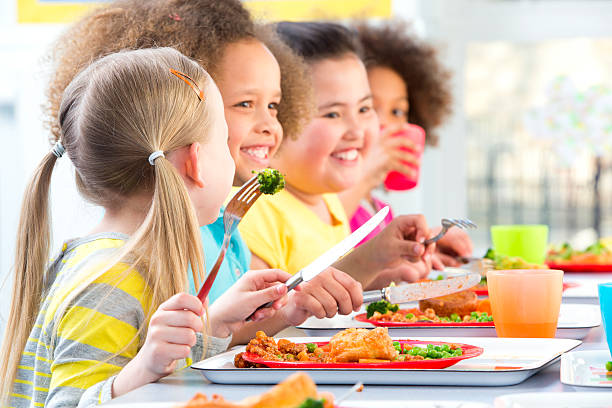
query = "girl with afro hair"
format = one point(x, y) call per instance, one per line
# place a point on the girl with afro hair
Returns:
point(410, 88)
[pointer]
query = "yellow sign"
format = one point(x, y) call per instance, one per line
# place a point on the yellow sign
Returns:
point(53, 11)
point(301, 10)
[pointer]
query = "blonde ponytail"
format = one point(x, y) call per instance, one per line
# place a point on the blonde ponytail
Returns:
point(113, 115)
point(31, 256)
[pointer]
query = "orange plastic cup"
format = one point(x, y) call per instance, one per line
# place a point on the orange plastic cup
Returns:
point(525, 303)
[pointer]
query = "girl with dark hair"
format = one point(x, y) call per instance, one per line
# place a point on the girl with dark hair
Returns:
point(306, 218)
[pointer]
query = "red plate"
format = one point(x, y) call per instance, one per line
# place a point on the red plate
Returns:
point(581, 268)
point(468, 352)
point(566, 285)
point(363, 318)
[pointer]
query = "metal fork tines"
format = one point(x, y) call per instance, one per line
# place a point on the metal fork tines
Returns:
point(447, 223)
point(234, 211)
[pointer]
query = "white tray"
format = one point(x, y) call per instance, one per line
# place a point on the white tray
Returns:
point(587, 284)
point(586, 368)
point(554, 400)
point(575, 321)
point(504, 361)
point(345, 404)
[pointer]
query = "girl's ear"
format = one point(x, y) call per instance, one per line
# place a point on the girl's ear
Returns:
point(193, 165)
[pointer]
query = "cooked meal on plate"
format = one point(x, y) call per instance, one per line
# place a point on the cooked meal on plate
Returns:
point(596, 254)
point(297, 391)
point(503, 262)
point(457, 307)
point(361, 346)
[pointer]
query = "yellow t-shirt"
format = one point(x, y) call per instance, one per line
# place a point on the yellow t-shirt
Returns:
point(286, 234)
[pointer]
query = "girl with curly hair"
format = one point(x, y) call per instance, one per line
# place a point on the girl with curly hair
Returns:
point(410, 88)
point(267, 98)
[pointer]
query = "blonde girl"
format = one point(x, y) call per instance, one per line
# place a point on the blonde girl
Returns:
point(145, 132)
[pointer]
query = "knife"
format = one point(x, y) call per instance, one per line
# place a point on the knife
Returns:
point(332, 255)
point(422, 290)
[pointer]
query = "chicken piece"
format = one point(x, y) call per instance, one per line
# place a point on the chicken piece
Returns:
point(462, 303)
point(291, 348)
point(352, 344)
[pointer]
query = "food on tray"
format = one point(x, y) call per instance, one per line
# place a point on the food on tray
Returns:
point(381, 307)
point(596, 254)
point(348, 346)
point(609, 366)
point(297, 391)
point(353, 345)
point(461, 303)
point(481, 312)
point(503, 262)
point(271, 181)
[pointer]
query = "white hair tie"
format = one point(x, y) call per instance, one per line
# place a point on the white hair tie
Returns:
point(154, 156)
point(58, 149)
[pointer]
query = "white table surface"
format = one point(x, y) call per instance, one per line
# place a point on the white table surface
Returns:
point(182, 385)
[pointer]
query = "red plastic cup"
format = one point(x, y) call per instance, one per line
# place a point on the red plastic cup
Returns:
point(399, 181)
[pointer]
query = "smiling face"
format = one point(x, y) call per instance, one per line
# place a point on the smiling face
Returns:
point(327, 156)
point(249, 81)
point(389, 95)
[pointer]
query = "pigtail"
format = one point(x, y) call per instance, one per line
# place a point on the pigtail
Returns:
point(170, 228)
point(31, 257)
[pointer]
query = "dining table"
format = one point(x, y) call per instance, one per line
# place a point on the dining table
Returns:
point(182, 385)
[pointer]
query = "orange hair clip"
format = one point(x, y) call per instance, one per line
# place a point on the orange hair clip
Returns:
point(189, 81)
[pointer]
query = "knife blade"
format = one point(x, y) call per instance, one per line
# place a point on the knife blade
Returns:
point(422, 290)
point(333, 254)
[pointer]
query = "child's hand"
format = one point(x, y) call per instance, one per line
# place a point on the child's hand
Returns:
point(392, 251)
point(401, 240)
point(253, 289)
point(403, 272)
point(385, 154)
point(171, 334)
point(329, 293)
point(455, 243)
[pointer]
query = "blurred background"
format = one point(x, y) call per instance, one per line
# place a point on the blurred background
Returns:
point(529, 140)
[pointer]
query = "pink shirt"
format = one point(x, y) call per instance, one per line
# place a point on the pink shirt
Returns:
point(363, 214)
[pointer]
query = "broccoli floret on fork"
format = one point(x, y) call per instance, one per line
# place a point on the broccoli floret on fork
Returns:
point(271, 181)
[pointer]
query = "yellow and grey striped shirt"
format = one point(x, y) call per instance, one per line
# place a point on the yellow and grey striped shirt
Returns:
point(67, 359)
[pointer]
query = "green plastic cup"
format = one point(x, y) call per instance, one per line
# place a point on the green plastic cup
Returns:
point(527, 241)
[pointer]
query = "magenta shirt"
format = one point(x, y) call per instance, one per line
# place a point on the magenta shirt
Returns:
point(362, 215)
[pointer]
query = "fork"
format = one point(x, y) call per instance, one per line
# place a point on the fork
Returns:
point(234, 211)
point(447, 223)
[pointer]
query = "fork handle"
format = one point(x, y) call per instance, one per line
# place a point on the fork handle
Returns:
point(291, 283)
point(205, 290)
point(436, 238)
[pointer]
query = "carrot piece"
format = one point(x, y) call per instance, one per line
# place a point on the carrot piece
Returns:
point(484, 305)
